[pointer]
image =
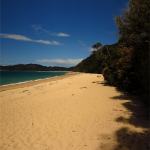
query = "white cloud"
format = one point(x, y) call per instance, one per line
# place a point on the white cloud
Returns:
point(15, 37)
point(62, 34)
point(81, 42)
point(23, 38)
point(46, 31)
point(72, 62)
point(44, 42)
point(87, 48)
point(57, 34)
point(36, 27)
point(90, 49)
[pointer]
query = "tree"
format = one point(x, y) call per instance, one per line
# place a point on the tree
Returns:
point(97, 45)
point(108, 50)
point(133, 28)
point(134, 24)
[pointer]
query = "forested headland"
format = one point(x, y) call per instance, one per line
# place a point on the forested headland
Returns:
point(125, 64)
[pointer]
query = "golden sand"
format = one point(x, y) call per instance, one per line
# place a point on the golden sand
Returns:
point(74, 112)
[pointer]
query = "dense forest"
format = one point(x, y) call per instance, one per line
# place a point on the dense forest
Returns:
point(34, 67)
point(125, 64)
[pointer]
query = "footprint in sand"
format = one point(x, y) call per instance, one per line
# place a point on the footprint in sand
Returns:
point(24, 91)
point(83, 87)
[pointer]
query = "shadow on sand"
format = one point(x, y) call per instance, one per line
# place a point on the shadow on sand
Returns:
point(125, 137)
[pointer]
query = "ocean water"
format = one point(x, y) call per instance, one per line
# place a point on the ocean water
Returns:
point(15, 77)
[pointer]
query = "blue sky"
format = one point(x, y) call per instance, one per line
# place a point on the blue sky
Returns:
point(56, 32)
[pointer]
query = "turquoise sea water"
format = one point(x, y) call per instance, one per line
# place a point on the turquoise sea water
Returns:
point(14, 77)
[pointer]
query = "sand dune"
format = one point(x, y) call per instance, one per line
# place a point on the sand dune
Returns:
point(79, 112)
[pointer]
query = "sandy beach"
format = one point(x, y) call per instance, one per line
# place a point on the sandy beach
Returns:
point(78, 111)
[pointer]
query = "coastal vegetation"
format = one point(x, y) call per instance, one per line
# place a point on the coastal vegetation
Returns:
point(33, 67)
point(125, 64)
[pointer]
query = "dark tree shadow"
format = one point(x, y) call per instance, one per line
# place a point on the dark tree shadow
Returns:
point(126, 138)
point(104, 83)
point(139, 111)
point(97, 82)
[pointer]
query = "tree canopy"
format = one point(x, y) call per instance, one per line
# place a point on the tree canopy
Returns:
point(97, 45)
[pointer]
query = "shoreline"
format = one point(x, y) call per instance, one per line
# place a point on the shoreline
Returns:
point(35, 79)
point(34, 82)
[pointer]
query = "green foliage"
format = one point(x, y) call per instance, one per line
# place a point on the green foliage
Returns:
point(134, 32)
point(145, 79)
point(97, 45)
point(119, 67)
point(89, 65)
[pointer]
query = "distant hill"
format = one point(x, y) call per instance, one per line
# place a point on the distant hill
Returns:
point(93, 64)
point(88, 65)
point(33, 67)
